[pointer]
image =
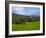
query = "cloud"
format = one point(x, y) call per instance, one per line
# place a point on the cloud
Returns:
point(26, 11)
point(19, 10)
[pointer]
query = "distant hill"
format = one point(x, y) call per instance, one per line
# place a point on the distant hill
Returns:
point(24, 15)
point(16, 16)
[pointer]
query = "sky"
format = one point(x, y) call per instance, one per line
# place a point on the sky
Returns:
point(26, 10)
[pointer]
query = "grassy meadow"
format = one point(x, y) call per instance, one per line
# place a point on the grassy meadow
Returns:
point(28, 26)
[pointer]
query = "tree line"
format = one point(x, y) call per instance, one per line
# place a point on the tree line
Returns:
point(26, 19)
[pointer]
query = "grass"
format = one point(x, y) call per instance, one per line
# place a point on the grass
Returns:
point(27, 26)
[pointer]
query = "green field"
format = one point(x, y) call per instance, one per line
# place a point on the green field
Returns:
point(26, 26)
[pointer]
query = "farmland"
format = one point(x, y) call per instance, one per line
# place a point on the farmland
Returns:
point(25, 23)
point(27, 26)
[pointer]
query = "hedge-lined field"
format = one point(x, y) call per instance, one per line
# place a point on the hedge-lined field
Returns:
point(26, 26)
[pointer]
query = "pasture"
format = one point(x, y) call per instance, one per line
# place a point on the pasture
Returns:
point(27, 26)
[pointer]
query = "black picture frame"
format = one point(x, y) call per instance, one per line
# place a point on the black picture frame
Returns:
point(7, 18)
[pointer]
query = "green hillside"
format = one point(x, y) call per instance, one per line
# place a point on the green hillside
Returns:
point(34, 25)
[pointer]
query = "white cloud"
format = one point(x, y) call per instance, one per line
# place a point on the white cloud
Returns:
point(25, 11)
point(19, 10)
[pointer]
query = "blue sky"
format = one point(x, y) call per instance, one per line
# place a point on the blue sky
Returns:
point(26, 10)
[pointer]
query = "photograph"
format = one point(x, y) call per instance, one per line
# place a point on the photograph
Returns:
point(24, 19)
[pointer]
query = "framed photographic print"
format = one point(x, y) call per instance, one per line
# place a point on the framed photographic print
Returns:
point(24, 18)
